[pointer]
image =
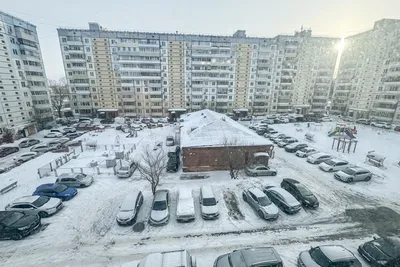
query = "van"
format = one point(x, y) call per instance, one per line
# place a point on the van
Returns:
point(208, 203)
point(129, 208)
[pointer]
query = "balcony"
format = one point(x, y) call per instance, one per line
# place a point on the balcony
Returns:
point(391, 110)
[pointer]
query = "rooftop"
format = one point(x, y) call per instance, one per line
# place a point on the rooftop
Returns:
point(206, 128)
point(335, 253)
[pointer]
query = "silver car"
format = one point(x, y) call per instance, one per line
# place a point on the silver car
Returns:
point(25, 157)
point(261, 256)
point(129, 208)
point(45, 206)
point(75, 179)
point(126, 171)
point(41, 148)
point(160, 214)
point(260, 170)
point(328, 255)
point(353, 174)
point(261, 203)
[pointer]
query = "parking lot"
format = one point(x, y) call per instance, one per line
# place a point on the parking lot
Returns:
point(85, 232)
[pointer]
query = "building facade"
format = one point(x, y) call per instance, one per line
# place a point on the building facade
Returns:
point(145, 74)
point(23, 84)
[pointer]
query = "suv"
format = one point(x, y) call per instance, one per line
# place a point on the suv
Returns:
point(126, 171)
point(7, 150)
point(28, 143)
point(159, 214)
point(260, 203)
point(129, 208)
point(208, 203)
point(353, 174)
point(18, 224)
point(75, 179)
point(247, 257)
point(45, 206)
point(181, 258)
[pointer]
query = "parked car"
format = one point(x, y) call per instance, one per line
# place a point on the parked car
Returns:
point(260, 170)
point(25, 157)
point(55, 144)
point(353, 174)
point(185, 211)
point(326, 119)
point(28, 143)
point(248, 257)
point(317, 158)
point(137, 127)
point(397, 128)
point(18, 224)
point(129, 208)
point(333, 165)
point(275, 136)
point(291, 148)
point(69, 130)
point(363, 121)
point(305, 152)
point(159, 214)
point(173, 164)
point(286, 142)
point(208, 203)
point(63, 140)
point(56, 190)
point(169, 141)
point(277, 140)
point(283, 199)
point(45, 206)
point(75, 179)
point(300, 192)
point(383, 125)
point(126, 170)
point(53, 135)
point(181, 258)
point(72, 135)
point(261, 130)
point(7, 150)
point(260, 203)
point(270, 132)
point(328, 255)
point(58, 131)
point(41, 148)
point(380, 251)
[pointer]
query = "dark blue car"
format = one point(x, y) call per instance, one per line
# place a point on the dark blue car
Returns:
point(56, 190)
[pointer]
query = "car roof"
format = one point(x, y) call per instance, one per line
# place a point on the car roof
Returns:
point(338, 160)
point(319, 154)
point(6, 213)
point(257, 192)
point(28, 153)
point(356, 168)
point(68, 175)
point(129, 200)
point(283, 193)
point(207, 192)
point(28, 199)
point(336, 252)
point(46, 186)
point(290, 180)
point(160, 195)
point(258, 165)
point(254, 256)
point(185, 193)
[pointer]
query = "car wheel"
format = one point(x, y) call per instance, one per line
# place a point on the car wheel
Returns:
point(350, 180)
point(368, 178)
point(244, 197)
point(273, 173)
point(82, 185)
point(254, 174)
point(260, 213)
point(43, 214)
point(16, 236)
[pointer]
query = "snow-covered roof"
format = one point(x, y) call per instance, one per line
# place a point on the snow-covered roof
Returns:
point(107, 109)
point(206, 128)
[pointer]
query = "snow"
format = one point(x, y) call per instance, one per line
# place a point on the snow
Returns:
point(185, 203)
point(207, 128)
point(85, 232)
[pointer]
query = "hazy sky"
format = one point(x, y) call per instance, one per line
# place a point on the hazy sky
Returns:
point(262, 18)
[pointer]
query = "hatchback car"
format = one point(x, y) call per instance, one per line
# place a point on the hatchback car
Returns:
point(126, 170)
point(317, 158)
point(45, 206)
point(29, 142)
point(291, 148)
point(208, 203)
point(260, 170)
point(25, 157)
point(41, 148)
point(248, 257)
point(129, 208)
point(7, 150)
point(353, 174)
point(260, 203)
point(381, 251)
point(305, 152)
point(75, 179)
point(328, 255)
point(283, 199)
point(333, 165)
point(18, 224)
point(60, 191)
point(160, 214)
point(53, 135)
point(300, 192)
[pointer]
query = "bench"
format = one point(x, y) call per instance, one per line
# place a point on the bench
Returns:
point(8, 188)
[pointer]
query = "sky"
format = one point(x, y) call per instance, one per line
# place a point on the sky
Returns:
point(261, 18)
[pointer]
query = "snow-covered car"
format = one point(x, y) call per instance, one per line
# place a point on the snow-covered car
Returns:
point(381, 251)
point(270, 132)
point(69, 130)
point(41, 148)
point(283, 199)
point(185, 208)
point(363, 121)
point(25, 157)
point(334, 255)
point(126, 170)
point(326, 119)
point(71, 136)
point(53, 135)
point(129, 208)
point(317, 158)
point(260, 203)
point(54, 144)
point(286, 142)
point(383, 125)
point(248, 257)
point(75, 179)
point(279, 139)
point(159, 214)
point(275, 136)
point(208, 203)
point(333, 165)
point(45, 206)
point(63, 140)
point(57, 131)
point(260, 170)
point(181, 258)
point(28, 143)
point(305, 152)
point(291, 148)
point(169, 141)
point(353, 174)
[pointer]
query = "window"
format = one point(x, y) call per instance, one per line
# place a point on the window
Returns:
point(15, 52)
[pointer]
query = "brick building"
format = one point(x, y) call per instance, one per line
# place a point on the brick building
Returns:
point(207, 137)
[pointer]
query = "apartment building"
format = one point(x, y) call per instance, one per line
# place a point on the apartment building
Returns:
point(368, 80)
point(23, 84)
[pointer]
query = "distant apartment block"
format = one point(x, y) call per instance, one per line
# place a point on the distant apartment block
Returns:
point(23, 83)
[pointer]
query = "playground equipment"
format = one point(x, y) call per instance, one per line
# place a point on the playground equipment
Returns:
point(309, 137)
point(342, 129)
point(344, 143)
point(375, 158)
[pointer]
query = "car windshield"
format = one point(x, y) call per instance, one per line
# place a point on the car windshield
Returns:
point(60, 188)
point(304, 191)
point(12, 218)
point(80, 176)
point(349, 171)
point(159, 205)
point(264, 201)
point(386, 247)
point(330, 162)
point(209, 202)
point(40, 201)
point(170, 139)
point(319, 257)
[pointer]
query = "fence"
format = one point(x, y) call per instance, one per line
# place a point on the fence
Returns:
point(51, 166)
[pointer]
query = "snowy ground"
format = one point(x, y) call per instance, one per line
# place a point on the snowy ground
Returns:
point(85, 232)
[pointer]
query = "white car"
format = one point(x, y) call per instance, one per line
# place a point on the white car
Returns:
point(25, 157)
point(305, 152)
point(41, 148)
point(75, 179)
point(45, 206)
point(53, 135)
point(208, 203)
point(185, 208)
point(333, 165)
point(129, 208)
point(126, 171)
point(326, 119)
point(383, 125)
point(353, 174)
point(181, 258)
point(317, 158)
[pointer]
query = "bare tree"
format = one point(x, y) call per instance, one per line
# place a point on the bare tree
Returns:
point(59, 94)
point(152, 165)
point(236, 159)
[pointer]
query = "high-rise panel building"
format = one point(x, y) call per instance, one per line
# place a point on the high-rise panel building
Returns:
point(23, 84)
